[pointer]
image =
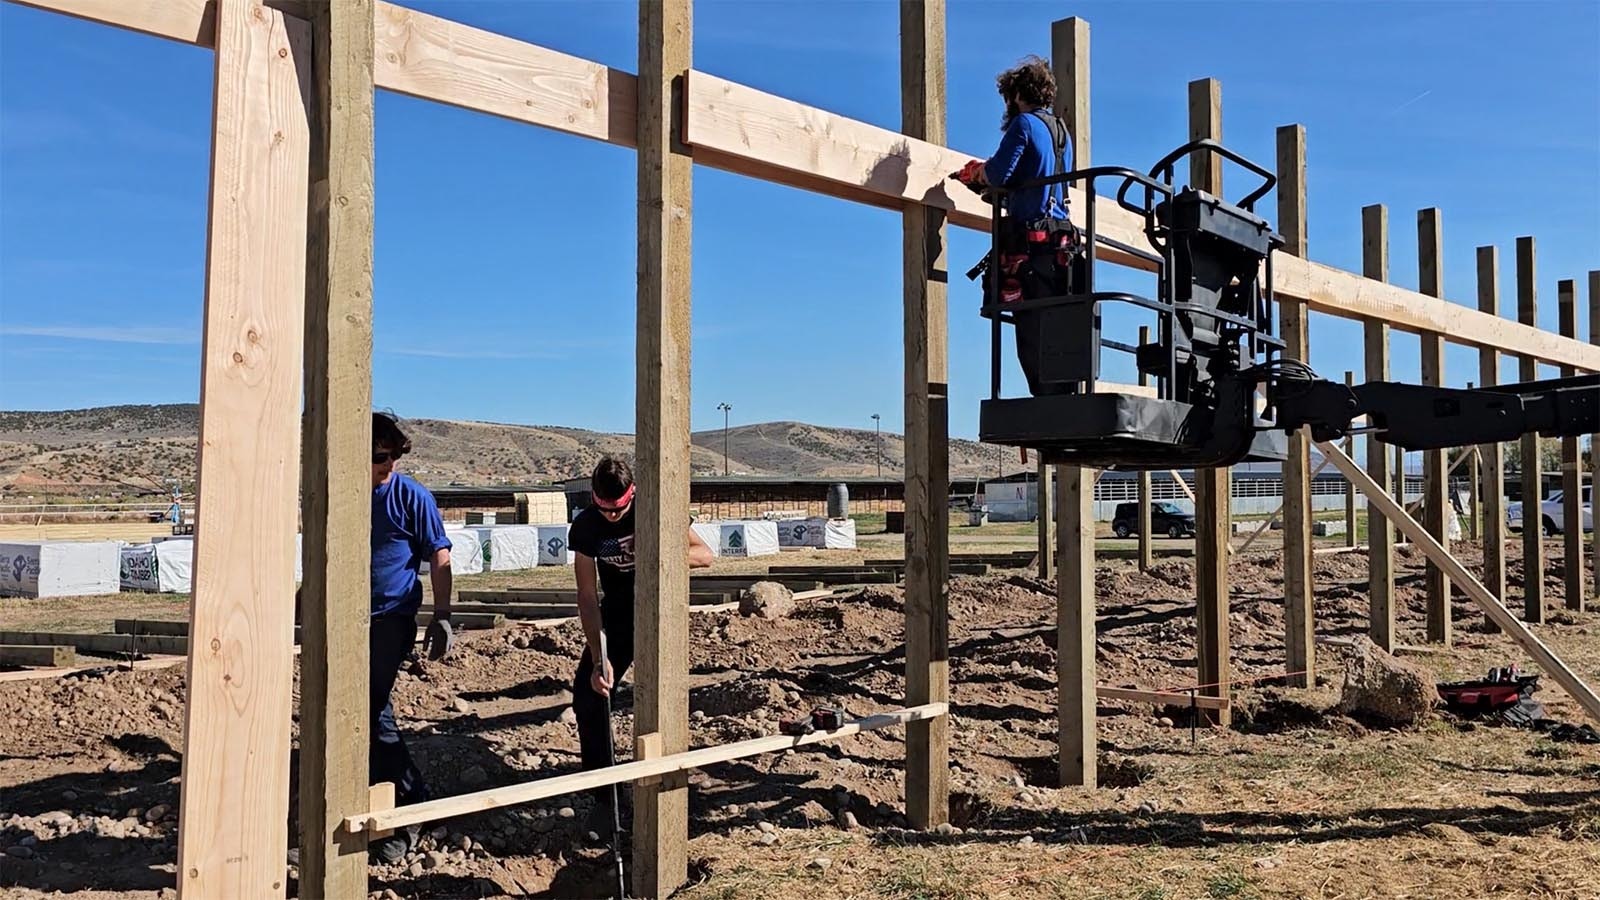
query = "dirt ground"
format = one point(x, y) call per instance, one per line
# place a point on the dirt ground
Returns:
point(1294, 801)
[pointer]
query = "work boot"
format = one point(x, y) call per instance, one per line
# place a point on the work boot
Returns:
point(394, 848)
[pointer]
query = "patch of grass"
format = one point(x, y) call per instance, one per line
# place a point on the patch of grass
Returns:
point(917, 880)
point(1152, 892)
point(1550, 750)
point(1229, 884)
point(1382, 764)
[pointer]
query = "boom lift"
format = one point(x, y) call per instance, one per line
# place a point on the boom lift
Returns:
point(1225, 393)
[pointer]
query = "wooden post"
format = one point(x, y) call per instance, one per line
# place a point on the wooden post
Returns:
point(1298, 609)
point(1532, 470)
point(235, 774)
point(1349, 487)
point(1571, 467)
point(1594, 441)
point(1380, 531)
point(1435, 482)
point(1046, 503)
point(922, 116)
point(336, 494)
point(1146, 555)
point(1212, 486)
point(1474, 477)
point(662, 358)
point(1075, 609)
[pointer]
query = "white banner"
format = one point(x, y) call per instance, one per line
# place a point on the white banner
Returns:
point(59, 568)
point(508, 548)
point(553, 549)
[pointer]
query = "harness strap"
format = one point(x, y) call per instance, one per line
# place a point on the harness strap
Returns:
point(1058, 136)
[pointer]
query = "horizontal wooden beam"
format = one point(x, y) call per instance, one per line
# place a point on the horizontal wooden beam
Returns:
point(495, 798)
point(36, 655)
point(1165, 698)
point(142, 665)
point(740, 129)
point(105, 644)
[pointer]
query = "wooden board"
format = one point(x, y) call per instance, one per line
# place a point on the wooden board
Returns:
point(37, 655)
point(1160, 698)
point(1435, 483)
point(1146, 557)
point(1532, 466)
point(1492, 492)
point(917, 167)
point(1594, 439)
point(653, 767)
point(140, 665)
point(1077, 736)
point(1462, 578)
point(102, 644)
point(236, 727)
point(1571, 470)
point(1300, 654)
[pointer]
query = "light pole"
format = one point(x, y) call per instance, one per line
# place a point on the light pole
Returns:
point(726, 408)
point(877, 424)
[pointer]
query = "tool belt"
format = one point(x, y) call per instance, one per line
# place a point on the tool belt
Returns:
point(1036, 257)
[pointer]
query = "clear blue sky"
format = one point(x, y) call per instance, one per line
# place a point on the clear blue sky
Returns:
point(504, 252)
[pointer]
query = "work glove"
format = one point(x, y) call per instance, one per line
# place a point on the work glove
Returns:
point(438, 639)
point(969, 173)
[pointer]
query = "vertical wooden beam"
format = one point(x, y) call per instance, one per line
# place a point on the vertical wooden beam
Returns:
point(1075, 625)
point(1435, 483)
point(1298, 608)
point(922, 116)
point(1212, 486)
point(1146, 555)
point(336, 498)
point(1571, 467)
point(1349, 486)
point(1492, 493)
point(1594, 441)
point(1046, 501)
point(1532, 470)
point(1474, 474)
point(235, 774)
point(1380, 531)
point(662, 358)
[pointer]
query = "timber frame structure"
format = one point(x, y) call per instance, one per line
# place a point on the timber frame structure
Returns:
point(288, 318)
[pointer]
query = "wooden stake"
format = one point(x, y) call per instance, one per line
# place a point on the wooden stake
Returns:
point(337, 499)
point(1298, 609)
point(1435, 484)
point(1492, 493)
point(1349, 489)
point(1571, 468)
point(1380, 532)
point(1594, 441)
point(1047, 506)
point(661, 608)
point(922, 116)
point(1532, 475)
point(1474, 589)
point(1212, 486)
point(1075, 630)
point(1146, 559)
point(235, 775)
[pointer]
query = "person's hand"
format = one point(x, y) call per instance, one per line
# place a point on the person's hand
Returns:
point(972, 173)
point(438, 639)
point(600, 679)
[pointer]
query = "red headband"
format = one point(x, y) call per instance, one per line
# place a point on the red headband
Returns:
point(622, 502)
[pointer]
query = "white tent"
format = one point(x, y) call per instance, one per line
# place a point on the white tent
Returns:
point(164, 567)
point(744, 538)
point(817, 532)
point(59, 568)
point(466, 552)
point(508, 547)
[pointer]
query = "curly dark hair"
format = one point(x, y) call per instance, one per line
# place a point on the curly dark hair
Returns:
point(386, 434)
point(1031, 81)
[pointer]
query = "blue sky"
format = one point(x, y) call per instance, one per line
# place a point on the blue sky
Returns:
point(504, 253)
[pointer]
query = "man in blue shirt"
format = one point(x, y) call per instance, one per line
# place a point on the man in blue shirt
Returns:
point(1037, 241)
point(406, 532)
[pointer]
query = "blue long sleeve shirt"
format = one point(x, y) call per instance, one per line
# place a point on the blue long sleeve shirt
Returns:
point(1027, 152)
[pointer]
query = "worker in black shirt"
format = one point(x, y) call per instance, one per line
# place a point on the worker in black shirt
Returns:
point(601, 537)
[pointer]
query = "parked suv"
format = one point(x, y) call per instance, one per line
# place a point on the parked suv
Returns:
point(1165, 518)
point(1553, 512)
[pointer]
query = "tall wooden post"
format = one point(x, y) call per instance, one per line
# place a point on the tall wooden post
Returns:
point(1492, 492)
point(1146, 557)
point(1212, 486)
point(1594, 441)
point(1046, 536)
point(1435, 483)
point(661, 389)
point(1349, 486)
point(1380, 531)
point(1298, 608)
point(335, 477)
point(922, 116)
point(1571, 467)
point(1075, 607)
point(1532, 469)
point(234, 792)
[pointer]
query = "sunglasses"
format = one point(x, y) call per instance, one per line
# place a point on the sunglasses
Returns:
point(621, 502)
point(379, 457)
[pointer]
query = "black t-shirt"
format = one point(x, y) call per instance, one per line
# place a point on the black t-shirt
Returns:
point(610, 545)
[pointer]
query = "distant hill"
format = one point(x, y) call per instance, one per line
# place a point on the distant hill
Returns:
point(134, 449)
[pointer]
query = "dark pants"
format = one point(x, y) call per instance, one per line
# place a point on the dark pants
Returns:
point(390, 640)
point(594, 728)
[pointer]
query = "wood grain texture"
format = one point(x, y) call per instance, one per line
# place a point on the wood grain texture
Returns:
point(661, 610)
point(1069, 58)
point(1594, 442)
point(1570, 681)
point(1298, 607)
point(1146, 556)
point(1075, 631)
point(37, 655)
point(927, 588)
point(1435, 484)
point(336, 499)
point(1212, 489)
point(1375, 346)
point(1532, 473)
point(235, 788)
point(1572, 535)
point(1492, 490)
